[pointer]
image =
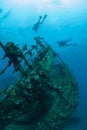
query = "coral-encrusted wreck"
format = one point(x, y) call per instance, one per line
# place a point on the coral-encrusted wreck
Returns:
point(44, 96)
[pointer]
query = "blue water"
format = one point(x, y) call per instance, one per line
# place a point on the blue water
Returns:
point(65, 19)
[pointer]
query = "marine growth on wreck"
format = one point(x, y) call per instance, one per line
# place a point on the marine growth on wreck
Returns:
point(45, 95)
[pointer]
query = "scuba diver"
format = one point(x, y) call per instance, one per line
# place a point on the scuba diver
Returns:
point(64, 43)
point(40, 21)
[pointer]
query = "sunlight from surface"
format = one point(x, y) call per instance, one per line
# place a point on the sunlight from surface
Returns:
point(21, 12)
point(18, 3)
point(39, 5)
point(44, 3)
point(68, 2)
point(72, 3)
point(48, 5)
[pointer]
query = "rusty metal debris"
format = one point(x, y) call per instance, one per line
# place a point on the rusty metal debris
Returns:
point(45, 95)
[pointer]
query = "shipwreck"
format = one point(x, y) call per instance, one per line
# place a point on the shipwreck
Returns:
point(45, 95)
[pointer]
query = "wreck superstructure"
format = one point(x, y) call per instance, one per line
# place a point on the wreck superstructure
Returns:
point(45, 95)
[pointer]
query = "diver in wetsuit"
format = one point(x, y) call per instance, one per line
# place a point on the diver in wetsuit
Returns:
point(64, 43)
point(40, 21)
